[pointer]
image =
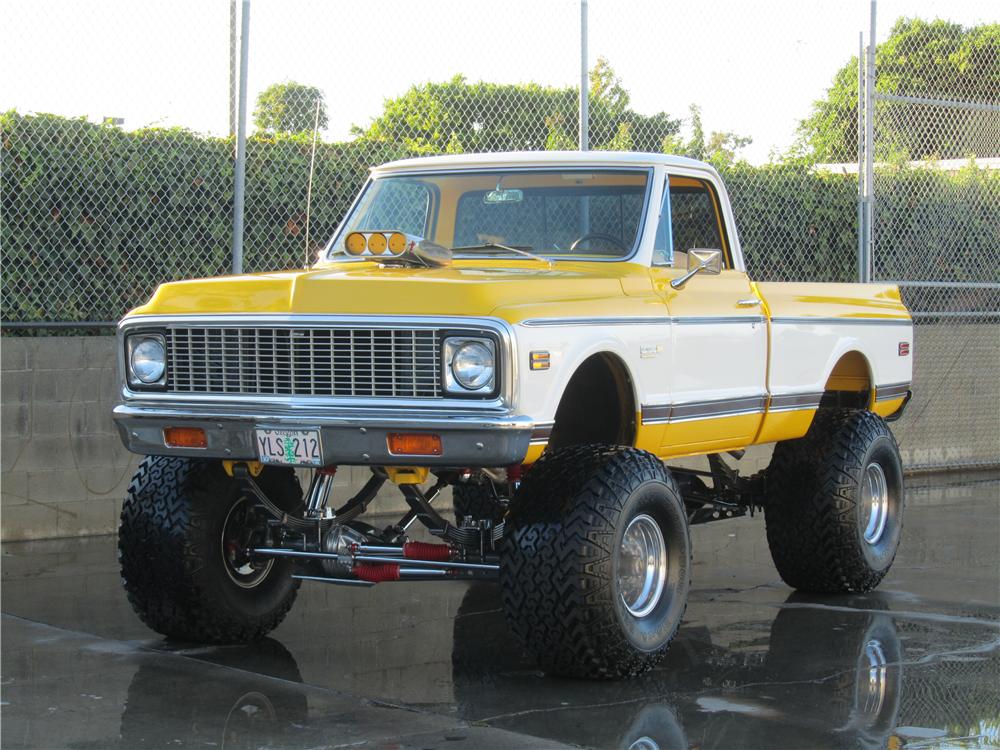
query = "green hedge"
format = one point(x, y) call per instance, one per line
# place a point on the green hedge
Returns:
point(93, 217)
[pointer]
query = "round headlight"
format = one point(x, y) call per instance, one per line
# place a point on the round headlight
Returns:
point(149, 359)
point(473, 365)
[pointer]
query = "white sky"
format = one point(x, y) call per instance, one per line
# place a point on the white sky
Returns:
point(753, 67)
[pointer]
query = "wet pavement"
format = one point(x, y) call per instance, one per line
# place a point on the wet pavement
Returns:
point(431, 665)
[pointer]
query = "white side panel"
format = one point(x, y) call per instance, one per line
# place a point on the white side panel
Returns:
point(803, 353)
point(717, 360)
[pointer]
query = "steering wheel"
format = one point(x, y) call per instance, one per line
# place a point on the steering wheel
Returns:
point(598, 236)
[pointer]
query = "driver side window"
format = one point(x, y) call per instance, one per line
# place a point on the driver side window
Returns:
point(689, 218)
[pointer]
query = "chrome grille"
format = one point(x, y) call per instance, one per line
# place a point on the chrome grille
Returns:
point(304, 361)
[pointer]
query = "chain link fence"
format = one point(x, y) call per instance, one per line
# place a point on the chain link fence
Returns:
point(96, 212)
point(936, 231)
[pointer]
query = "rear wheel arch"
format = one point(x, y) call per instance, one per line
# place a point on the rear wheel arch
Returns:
point(850, 383)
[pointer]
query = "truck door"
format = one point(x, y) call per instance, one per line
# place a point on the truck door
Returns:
point(718, 360)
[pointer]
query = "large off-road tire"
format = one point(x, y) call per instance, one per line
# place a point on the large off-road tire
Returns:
point(844, 655)
point(576, 590)
point(184, 525)
point(834, 509)
point(264, 707)
point(478, 501)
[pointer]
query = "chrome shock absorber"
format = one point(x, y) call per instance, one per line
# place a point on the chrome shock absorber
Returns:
point(317, 508)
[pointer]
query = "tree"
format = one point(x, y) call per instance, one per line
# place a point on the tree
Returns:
point(606, 87)
point(289, 107)
point(438, 117)
point(933, 59)
point(721, 147)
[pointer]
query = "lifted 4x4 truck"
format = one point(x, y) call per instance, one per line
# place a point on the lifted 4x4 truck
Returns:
point(540, 332)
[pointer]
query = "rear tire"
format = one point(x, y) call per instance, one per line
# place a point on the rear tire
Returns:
point(184, 524)
point(478, 501)
point(834, 510)
point(577, 589)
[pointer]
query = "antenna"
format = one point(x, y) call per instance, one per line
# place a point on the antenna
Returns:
point(309, 186)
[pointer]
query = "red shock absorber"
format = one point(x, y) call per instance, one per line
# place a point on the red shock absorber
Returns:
point(327, 471)
point(426, 551)
point(377, 573)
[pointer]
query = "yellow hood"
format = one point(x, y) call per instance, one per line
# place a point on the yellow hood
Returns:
point(466, 288)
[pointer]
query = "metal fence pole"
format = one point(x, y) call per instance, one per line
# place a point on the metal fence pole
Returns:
point(233, 66)
point(866, 265)
point(584, 82)
point(240, 171)
point(861, 154)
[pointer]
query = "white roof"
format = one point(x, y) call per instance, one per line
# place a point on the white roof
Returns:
point(553, 159)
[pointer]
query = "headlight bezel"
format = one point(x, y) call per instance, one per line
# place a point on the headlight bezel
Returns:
point(451, 344)
point(132, 342)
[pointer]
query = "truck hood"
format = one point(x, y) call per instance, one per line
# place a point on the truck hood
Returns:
point(472, 288)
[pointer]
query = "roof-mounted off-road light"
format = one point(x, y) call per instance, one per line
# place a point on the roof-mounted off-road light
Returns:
point(393, 248)
point(377, 243)
point(355, 243)
point(397, 243)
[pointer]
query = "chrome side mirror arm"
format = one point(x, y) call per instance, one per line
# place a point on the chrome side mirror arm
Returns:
point(709, 261)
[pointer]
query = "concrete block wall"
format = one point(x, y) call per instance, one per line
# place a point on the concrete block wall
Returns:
point(64, 470)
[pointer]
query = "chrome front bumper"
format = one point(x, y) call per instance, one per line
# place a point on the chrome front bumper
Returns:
point(355, 437)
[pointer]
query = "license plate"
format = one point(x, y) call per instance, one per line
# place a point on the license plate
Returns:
point(289, 447)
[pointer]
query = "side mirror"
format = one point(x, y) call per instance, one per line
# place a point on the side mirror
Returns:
point(700, 259)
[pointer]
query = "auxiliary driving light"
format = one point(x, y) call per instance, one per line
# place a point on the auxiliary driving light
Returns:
point(355, 243)
point(397, 243)
point(376, 243)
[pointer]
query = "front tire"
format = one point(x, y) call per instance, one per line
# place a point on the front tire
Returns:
point(184, 527)
point(834, 511)
point(595, 566)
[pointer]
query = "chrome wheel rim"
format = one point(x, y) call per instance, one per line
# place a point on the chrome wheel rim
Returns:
point(875, 501)
point(642, 566)
point(243, 571)
point(876, 686)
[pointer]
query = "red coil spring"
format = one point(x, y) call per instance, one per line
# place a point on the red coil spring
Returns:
point(377, 573)
point(426, 551)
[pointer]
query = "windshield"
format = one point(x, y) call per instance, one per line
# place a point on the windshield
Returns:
point(592, 214)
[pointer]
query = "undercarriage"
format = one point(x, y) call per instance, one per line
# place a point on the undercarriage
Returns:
point(333, 546)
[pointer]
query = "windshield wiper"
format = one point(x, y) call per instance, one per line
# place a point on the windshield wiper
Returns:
point(498, 246)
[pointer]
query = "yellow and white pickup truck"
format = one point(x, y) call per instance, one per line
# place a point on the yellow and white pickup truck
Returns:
point(539, 332)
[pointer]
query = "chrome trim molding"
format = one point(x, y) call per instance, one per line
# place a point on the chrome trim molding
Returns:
point(729, 407)
point(794, 401)
point(700, 320)
point(643, 321)
point(891, 391)
point(708, 320)
point(818, 320)
point(624, 321)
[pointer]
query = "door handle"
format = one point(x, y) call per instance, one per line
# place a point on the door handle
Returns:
point(751, 302)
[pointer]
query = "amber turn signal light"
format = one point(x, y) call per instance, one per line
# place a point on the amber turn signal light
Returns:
point(184, 437)
point(413, 444)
